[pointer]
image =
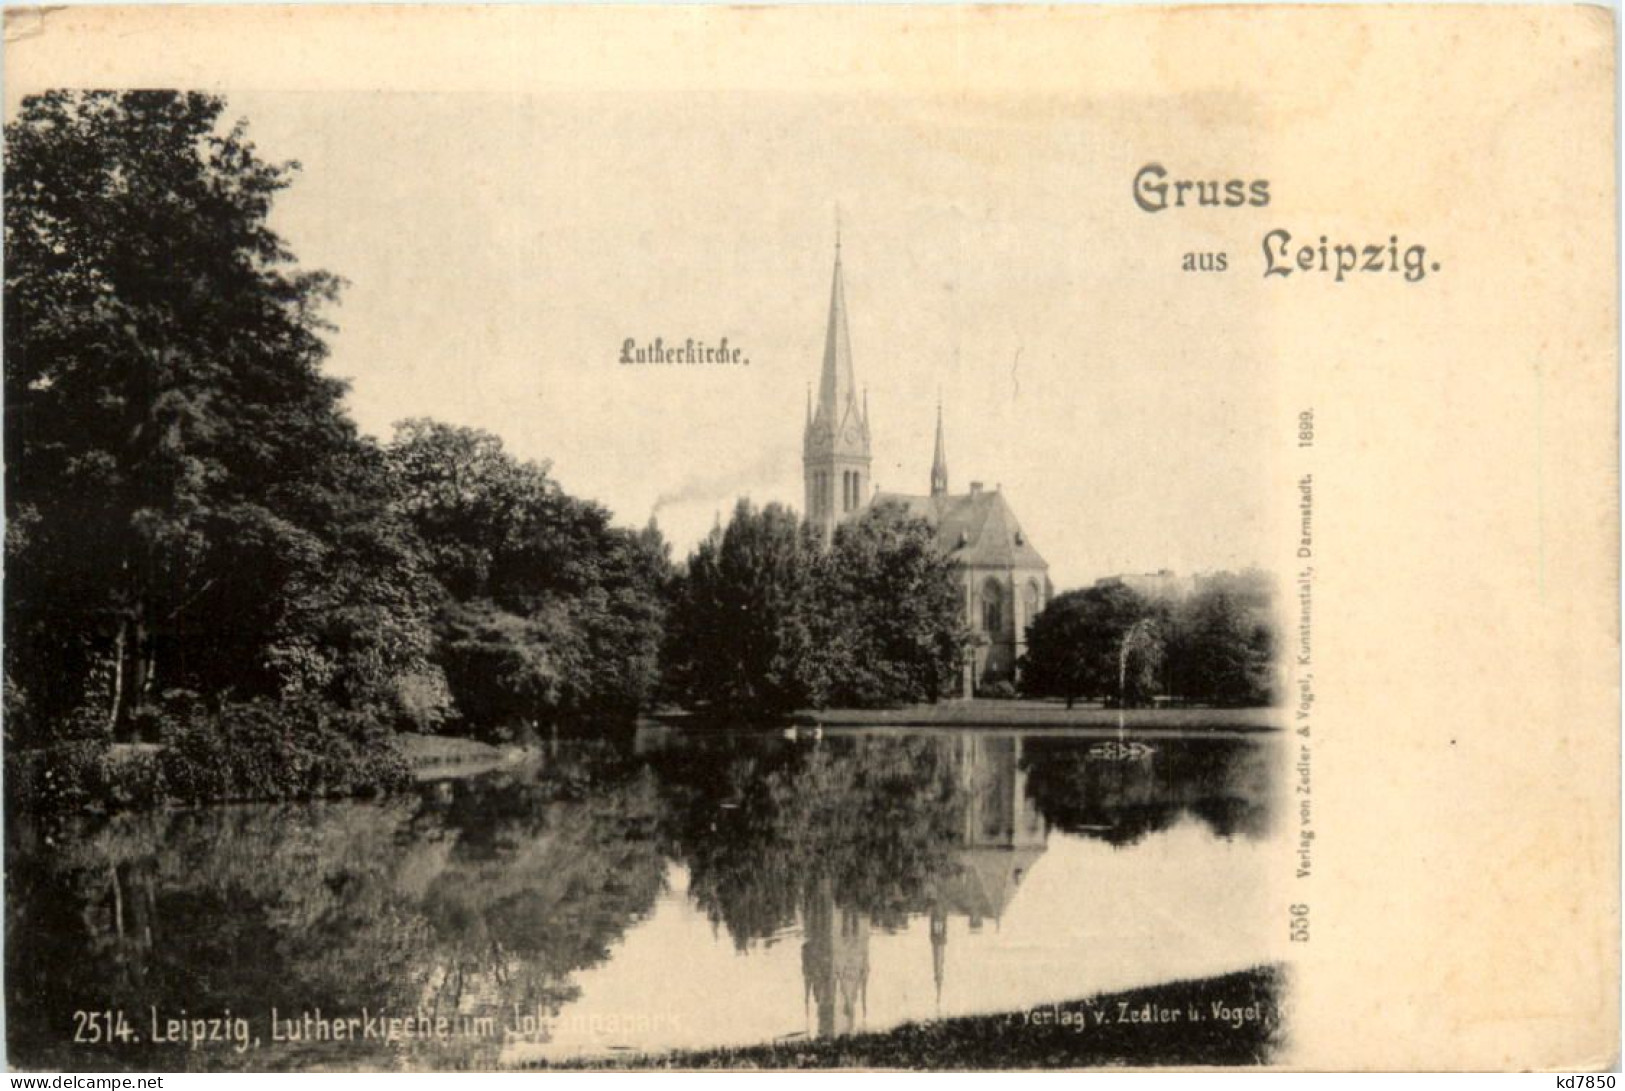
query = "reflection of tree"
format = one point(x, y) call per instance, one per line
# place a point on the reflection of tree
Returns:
point(873, 820)
point(1223, 782)
point(537, 886)
point(469, 903)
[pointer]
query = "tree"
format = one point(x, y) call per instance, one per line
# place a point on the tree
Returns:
point(1075, 645)
point(890, 612)
point(1225, 651)
point(742, 634)
point(765, 621)
point(551, 612)
point(186, 503)
point(1216, 646)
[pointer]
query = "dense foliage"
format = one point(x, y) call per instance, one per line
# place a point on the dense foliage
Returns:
point(765, 620)
point(1074, 646)
point(549, 612)
point(1223, 642)
point(186, 504)
point(301, 748)
point(1215, 646)
point(742, 635)
point(891, 604)
point(195, 528)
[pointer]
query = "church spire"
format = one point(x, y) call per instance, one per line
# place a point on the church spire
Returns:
point(939, 461)
point(837, 390)
point(835, 444)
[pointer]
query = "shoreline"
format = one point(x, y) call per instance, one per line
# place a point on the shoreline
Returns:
point(1014, 714)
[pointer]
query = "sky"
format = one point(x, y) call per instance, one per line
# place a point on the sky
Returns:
point(499, 249)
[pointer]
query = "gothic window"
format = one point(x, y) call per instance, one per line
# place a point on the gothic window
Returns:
point(1033, 597)
point(992, 607)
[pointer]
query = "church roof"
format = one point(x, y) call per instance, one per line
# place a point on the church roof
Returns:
point(974, 528)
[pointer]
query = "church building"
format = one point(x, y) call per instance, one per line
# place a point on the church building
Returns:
point(1004, 580)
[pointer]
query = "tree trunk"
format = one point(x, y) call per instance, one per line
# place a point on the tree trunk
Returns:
point(118, 901)
point(118, 678)
point(133, 672)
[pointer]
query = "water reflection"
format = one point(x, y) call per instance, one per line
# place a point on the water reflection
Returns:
point(551, 908)
point(992, 836)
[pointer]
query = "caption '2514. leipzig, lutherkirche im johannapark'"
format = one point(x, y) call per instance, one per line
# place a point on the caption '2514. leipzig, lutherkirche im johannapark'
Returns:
point(334, 750)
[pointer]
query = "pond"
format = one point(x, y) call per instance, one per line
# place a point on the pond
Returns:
point(660, 891)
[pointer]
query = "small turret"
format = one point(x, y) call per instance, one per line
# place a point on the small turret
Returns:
point(939, 461)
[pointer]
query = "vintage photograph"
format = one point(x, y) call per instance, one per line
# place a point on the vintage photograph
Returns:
point(584, 574)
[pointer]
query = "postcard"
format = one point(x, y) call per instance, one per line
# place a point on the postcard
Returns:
point(852, 537)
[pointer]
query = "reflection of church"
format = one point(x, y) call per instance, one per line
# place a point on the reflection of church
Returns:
point(835, 962)
point(1001, 839)
point(1004, 581)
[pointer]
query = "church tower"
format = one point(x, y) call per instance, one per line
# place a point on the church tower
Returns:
point(835, 443)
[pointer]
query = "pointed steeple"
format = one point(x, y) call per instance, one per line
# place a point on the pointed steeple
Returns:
point(837, 390)
point(939, 461)
point(835, 442)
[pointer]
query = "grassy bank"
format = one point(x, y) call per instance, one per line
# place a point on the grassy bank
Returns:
point(99, 776)
point(246, 751)
point(1092, 1033)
